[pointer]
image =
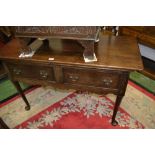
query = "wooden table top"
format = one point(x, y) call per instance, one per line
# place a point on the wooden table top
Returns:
point(118, 52)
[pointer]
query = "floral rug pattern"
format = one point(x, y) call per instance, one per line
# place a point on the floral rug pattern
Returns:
point(88, 105)
point(55, 108)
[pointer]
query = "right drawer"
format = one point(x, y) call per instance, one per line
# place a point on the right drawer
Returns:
point(91, 77)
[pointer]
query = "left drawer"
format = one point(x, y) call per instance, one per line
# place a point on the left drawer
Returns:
point(31, 71)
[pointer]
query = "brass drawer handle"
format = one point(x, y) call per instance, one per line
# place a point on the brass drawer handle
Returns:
point(43, 74)
point(107, 82)
point(17, 71)
point(73, 78)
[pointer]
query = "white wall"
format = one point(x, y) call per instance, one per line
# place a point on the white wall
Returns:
point(147, 52)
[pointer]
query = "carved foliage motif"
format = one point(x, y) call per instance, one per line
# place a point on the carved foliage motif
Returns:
point(32, 29)
point(73, 29)
point(57, 30)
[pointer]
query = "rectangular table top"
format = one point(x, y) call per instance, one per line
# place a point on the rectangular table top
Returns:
point(118, 52)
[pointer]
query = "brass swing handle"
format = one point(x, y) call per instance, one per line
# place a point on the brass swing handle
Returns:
point(17, 71)
point(73, 78)
point(107, 82)
point(43, 74)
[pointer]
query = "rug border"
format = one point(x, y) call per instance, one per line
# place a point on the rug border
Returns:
point(141, 89)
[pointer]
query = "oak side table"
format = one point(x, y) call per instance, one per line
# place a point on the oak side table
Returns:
point(117, 57)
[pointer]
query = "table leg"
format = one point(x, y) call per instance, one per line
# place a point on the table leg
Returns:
point(3, 125)
point(18, 87)
point(117, 104)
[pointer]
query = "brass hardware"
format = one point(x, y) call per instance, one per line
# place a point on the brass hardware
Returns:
point(17, 71)
point(107, 82)
point(73, 78)
point(43, 74)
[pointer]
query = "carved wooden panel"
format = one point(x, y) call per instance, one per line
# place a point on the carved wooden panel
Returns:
point(74, 32)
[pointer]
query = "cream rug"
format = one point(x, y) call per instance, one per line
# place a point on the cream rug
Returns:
point(137, 102)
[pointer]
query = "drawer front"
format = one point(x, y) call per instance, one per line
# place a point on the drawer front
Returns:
point(91, 77)
point(31, 72)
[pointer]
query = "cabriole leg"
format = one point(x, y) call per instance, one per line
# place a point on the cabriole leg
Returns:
point(117, 104)
point(18, 87)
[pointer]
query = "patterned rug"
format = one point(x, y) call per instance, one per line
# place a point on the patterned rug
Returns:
point(63, 109)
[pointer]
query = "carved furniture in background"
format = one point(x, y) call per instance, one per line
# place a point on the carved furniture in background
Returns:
point(117, 57)
point(85, 35)
point(146, 36)
point(110, 30)
point(143, 34)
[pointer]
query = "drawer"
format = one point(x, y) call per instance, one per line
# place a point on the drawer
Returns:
point(91, 77)
point(31, 72)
